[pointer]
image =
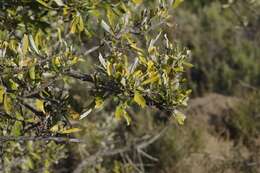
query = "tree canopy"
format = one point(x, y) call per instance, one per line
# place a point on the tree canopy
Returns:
point(127, 57)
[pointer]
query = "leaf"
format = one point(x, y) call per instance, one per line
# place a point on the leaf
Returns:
point(127, 118)
point(32, 72)
point(139, 99)
point(80, 23)
point(59, 2)
point(43, 3)
point(13, 84)
point(189, 65)
point(180, 117)
point(73, 26)
point(119, 112)
point(111, 16)
point(7, 104)
point(137, 1)
point(74, 115)
point(72, 130)
point(98, 102)
point(102, 60)
point(152, 79)
point(85, 114)
point(177, 3)
point(55, 128)
point(25, 44)
point(109, 68)
point(106, 27)
point(2, 92)
point(33, 45)
point(17, 128)
point(39, 104)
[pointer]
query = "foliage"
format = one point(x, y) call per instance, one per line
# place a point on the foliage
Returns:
point(224, 40)
point(43, 45)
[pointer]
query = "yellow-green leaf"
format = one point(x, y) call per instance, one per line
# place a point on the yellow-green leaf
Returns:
point(180, 117)
point(109, 68)
point(139, 99)
point(13, 84)
point(152, 79)
point(111, 16)
point(127, 118)
point(137, 1)
point(7, 104)
point(177, 3)
point(39, 104)
point(16, 128)
point(72, 130)
point(73, 26)
point(80, 23)
point(25, 44)
point(119, 113)
point(98, 102)
point(32, 72)
point(2, 91)
point(55, 128)
point(43, 3)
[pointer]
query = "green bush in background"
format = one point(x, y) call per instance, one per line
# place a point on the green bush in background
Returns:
point(224, 39)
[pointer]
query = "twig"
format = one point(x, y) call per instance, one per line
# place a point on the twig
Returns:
point(38, 138)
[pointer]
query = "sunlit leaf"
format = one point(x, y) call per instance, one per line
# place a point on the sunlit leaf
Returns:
point(39, 104)
point(72, 130)
point(33, 45)
point(180, 117)
point(85, 114)
point(102, 60)
point(109, 68)
point(32, 72)
point(98, 102)
point(59, 2)
point(139, 99)
point(13, 84)
point(25, 44)
point(111, 16)
point(55, 128)
point(43, 3)
point(119, 112)
point(17, 128)
point(2, 91)
point(177, 3)
point(127, 118)
point(152, 79)
point(7, 104)
point(106, 27)
point(137, 1)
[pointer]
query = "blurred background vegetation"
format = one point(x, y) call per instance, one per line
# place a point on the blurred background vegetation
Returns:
point(223, 125)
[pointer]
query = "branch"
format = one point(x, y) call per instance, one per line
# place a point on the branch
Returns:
point(137, 146)
point(38, 138)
